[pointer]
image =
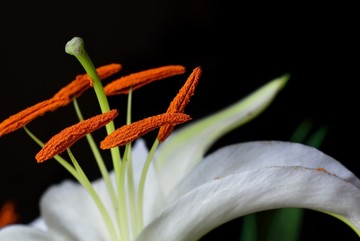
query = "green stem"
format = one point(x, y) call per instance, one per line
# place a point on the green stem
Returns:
point(76, 47)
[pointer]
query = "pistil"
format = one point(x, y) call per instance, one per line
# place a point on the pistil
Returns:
point(76, 47)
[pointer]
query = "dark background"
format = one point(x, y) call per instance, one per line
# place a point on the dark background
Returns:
point(240, 48)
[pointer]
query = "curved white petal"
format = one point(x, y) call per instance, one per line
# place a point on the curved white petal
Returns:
point(225, 198)
point(22, 233)
point(70, 213)
point(252, 155)
point(184, 148)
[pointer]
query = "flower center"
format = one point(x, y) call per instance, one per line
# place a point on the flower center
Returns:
point(126, 198)
point(124, 219)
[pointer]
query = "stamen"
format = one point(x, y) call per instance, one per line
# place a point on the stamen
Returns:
point(81, 82)
point(60, 99)
point(180, 101)
point(67, 137)
point(128, 133)
point(23, 117)
point(137, 80)
point(8, 214)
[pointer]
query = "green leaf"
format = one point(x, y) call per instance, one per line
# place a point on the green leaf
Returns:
point(285, 224)
point(249, 229)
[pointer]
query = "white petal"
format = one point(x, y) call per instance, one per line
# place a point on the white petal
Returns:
point(71, 214)
point(139, 154)
point(252, 155)
point(226, 198)
point(22, 233)
point(39, 223)
point(186, 147)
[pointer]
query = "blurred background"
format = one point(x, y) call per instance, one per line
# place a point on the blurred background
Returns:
point(239, 46)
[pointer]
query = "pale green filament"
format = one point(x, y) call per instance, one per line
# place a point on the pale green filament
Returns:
point(131, 190)
point(129, 172)
point(124, 226)
point(99, 160)
point(142, 182)
point(87, 185)
point(80, 176)
point(58, 158)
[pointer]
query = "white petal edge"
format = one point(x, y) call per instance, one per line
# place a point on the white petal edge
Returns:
point(186, 147)
point(257, 154)
point(21, 233)
point(226, 198)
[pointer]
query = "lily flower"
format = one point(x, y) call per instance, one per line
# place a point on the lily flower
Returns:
point(174, 191)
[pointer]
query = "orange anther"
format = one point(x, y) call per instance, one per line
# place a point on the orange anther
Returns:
point(128, 133)
point(180, 101)
point(60, 99)
point(139, 79)
point(67, 137)
point(83, 82)
point(22, 118)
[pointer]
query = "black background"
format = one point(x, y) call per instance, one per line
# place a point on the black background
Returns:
point(240, 47)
